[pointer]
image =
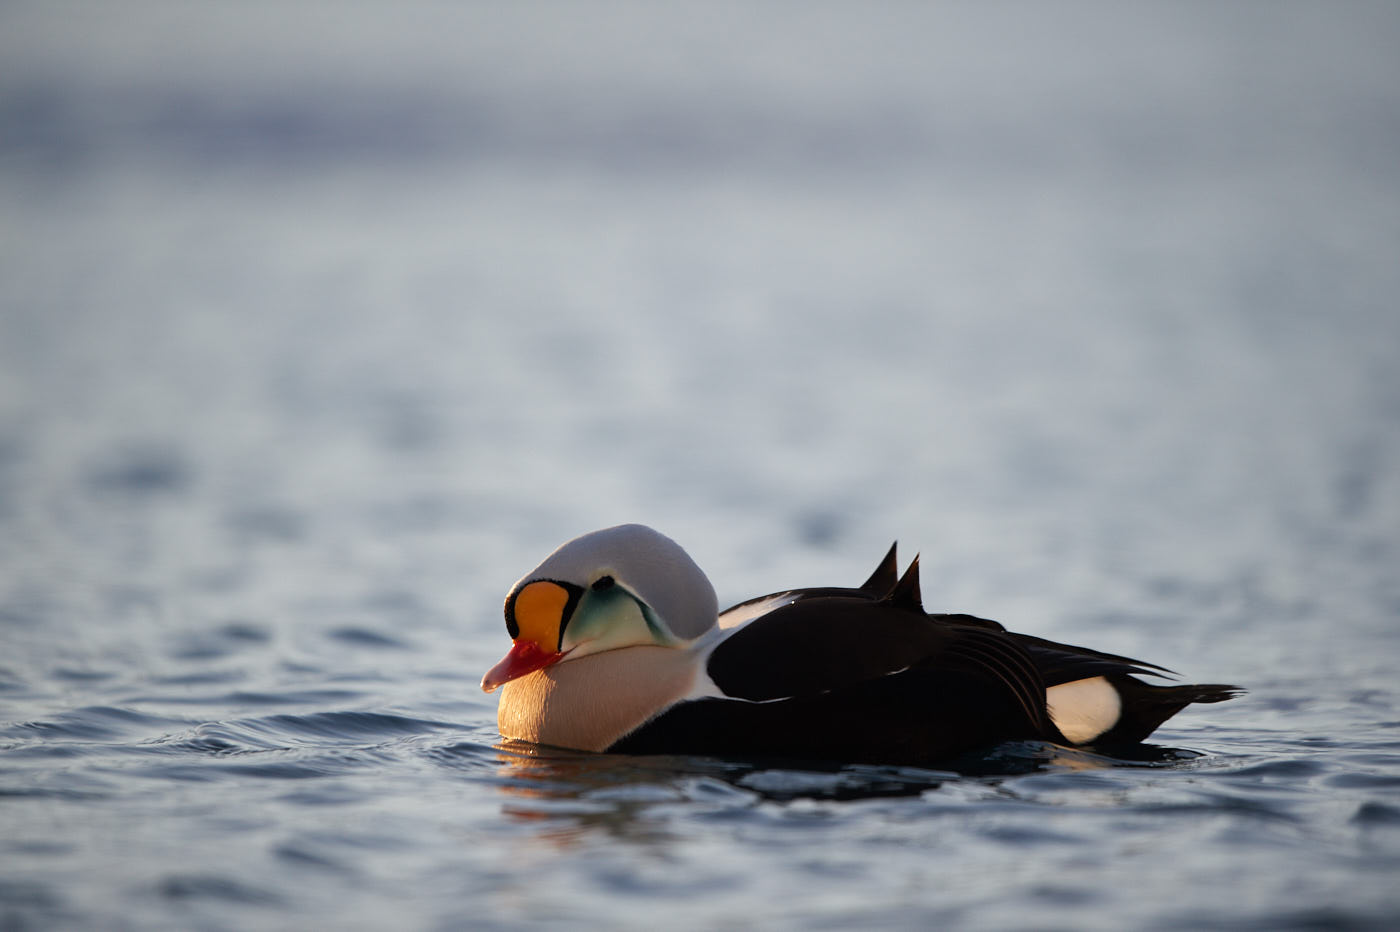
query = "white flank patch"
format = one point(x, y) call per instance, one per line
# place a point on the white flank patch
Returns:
point(1084, 709)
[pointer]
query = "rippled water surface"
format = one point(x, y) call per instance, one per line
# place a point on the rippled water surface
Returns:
point(320, 325)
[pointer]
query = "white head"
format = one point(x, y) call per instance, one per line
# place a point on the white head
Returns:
point(618, 587)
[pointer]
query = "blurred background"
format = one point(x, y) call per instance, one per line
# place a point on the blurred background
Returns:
point(320, 323)
point(1042, 293)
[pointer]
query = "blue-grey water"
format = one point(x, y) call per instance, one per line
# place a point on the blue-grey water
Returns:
point(321, 323)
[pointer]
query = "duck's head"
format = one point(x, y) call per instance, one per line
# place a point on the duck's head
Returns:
point(619, 587)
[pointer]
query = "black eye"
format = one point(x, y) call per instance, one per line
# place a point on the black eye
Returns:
point(603, 582)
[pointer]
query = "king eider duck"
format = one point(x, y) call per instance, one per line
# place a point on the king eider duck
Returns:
point(619, 646)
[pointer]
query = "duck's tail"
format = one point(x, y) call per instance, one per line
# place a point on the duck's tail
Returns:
point(1146, 707)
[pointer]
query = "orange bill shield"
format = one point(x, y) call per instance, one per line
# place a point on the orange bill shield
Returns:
point(535, 616)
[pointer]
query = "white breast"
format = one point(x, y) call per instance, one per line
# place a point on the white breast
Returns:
point(591, 702)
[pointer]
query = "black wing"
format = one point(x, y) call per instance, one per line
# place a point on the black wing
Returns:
point(839, 640)
point(1063, 663)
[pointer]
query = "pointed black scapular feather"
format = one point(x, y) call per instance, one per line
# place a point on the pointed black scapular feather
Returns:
point(885, 576)
point(905, 593)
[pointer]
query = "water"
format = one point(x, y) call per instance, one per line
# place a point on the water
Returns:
point(319, 326)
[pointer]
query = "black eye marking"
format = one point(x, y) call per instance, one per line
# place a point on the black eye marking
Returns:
point(603, 582)
point(512, 626)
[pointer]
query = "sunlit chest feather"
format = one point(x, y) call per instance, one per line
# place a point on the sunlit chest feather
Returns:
point(617, 645)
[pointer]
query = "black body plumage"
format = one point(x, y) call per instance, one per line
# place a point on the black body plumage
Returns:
point(866, 675)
